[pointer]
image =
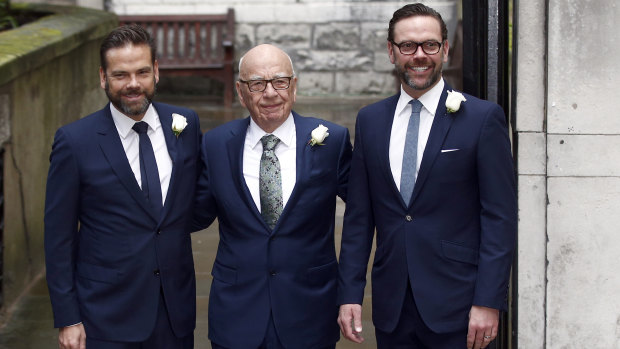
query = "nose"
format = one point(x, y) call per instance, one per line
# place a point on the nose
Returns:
point(419, 53)
point(269, 90)
point(133, 81)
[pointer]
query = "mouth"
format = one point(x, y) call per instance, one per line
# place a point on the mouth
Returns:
point(419, 69)
point(133, 96)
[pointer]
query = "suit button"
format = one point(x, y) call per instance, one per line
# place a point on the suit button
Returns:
point(159, 232)
point(272, 272)
point(272, 238)
point(156, 272)
point(408, 218)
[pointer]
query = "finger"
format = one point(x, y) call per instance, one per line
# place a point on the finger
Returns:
point(344, 320)
point(471, 338)
point(357, 319)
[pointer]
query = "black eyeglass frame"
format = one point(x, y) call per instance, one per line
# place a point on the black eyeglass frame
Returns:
point(270, 81)
point(417, 44)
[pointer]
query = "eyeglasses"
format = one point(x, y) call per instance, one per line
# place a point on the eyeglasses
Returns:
point(260, 85)
point(410, 47)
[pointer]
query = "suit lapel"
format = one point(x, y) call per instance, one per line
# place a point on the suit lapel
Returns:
point(384, 133)
point(110, 144)
point(441, 125)
point(234, 147)
point(172, 143)
point(303, 159)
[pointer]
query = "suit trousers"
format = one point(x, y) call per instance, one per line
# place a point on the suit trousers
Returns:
point(412, 333)
point(162, 337)
point(271, 341)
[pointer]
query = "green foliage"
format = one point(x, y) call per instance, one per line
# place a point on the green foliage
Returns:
point(7, 21)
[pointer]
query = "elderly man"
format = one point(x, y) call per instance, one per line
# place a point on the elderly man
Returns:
point(272, 180)
point(432, 173)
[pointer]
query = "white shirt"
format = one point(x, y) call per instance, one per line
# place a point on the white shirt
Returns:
point(131, 143)
point(286, 151)
point(429, 100)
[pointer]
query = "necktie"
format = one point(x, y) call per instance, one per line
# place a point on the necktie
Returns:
point(270, 181)
point(410, 156)
point(151, 186)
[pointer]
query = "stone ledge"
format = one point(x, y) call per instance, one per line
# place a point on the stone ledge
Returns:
point(30, 46)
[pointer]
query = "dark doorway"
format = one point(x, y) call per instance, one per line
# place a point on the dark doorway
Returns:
point(486, 74)
point(1, 225)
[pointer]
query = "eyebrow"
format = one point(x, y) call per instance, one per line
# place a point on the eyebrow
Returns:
point(275, 76)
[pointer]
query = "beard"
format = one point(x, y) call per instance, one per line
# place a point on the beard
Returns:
point(404, 76)
point(135, 109)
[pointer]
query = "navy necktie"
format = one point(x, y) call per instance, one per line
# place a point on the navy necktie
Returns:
point(151, 186)
point(410, 156)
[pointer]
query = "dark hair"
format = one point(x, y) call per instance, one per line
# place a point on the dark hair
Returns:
point(126, 35)
point(412, 10)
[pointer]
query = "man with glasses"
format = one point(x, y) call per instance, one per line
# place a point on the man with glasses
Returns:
point(271, 180)
point(432, 173)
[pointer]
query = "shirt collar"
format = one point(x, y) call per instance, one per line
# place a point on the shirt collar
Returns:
point(124, 123)
point(284, 132)
point(429, 100)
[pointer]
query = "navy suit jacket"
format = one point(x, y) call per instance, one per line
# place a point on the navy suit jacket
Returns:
point(454, 240)
point(290, 272)
point(107, 254)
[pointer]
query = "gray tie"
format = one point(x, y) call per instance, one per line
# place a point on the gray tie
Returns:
point(270, 181)
point(410, 156)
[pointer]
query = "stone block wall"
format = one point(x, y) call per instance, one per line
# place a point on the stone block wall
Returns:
point(338, 47)
point(568, 136)
point(48, 77)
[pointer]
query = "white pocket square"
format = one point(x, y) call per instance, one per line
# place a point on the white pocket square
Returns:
point(448, 150)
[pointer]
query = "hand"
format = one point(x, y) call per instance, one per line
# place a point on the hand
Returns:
point(72, 337)
point(483, 322)
point(350, 321)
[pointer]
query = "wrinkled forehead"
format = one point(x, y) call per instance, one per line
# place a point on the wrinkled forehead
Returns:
point(265, 66)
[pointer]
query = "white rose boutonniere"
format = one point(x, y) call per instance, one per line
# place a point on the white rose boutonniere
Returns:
point(453, 102)
point(178, 124)
point(318, 135)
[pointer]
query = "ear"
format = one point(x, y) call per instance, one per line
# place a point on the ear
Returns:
point(102, 78)
point(294, 86)
point(239, 94)
point(390, 48)
point(446, 50)
point(156, 71)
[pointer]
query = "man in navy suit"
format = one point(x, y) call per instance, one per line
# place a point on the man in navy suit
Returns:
point(441, 196)
point(118, 211)
point(272, 180)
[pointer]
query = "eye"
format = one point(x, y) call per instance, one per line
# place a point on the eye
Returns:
point(256, 84)
point(280, 83)
point(431, 45)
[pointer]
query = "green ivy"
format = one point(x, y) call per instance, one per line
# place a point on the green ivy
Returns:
point(6, 20)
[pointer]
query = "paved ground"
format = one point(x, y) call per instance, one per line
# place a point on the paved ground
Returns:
point(31, 324)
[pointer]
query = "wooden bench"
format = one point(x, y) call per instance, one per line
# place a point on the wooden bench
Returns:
point(190, 45)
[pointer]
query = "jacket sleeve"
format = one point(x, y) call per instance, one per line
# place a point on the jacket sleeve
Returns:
point(205, 207)
point(61, 230)
point(344, 165)
point(358, 228)
point(498, 214)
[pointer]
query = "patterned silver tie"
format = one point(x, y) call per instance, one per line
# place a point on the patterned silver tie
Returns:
point(410, 156)
point(270, 181)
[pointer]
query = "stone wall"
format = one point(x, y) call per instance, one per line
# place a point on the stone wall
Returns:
point(48, 77)
point(337, 47)
point(568, 136)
